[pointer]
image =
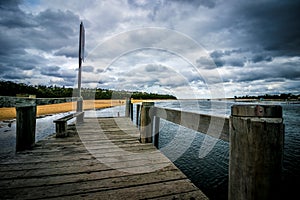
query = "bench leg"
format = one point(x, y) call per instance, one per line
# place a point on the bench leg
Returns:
point(61, 128)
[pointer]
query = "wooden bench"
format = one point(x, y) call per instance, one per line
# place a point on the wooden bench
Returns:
point(61, 123)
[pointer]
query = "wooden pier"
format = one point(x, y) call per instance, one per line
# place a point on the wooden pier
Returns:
point(101, 159)
point(110, 158)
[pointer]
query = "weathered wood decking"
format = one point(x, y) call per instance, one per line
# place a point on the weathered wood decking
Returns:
point(104, 160)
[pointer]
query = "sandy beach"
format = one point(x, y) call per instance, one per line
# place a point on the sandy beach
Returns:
point(10, 113)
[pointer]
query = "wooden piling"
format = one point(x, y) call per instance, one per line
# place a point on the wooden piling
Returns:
point(146, 122)
point(25, 128)
point(256, 151)
point(131, 111)
point(138, 107)
point(127, 107)
point(156, 131)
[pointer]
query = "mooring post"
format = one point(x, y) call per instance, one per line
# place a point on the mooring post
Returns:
point(79, 118)
point(146, 122)
point(131, 111)
point(127, 107)
point(138, 107)
point(25, 130)
point(156, 131)
point(256, 151)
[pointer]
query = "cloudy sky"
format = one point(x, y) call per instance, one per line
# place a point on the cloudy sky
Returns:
point(191, 49)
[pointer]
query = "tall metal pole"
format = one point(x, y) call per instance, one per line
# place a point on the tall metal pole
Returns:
point(80, 58)
point(80, 61)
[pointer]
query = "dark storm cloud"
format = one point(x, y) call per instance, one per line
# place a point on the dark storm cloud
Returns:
point(229, 57)
point(14, 72)
point(12, 68)
point(56, 30)
point(274, 25)
point(260, 58)
point(46, 31)
point(219, 62)
point(12, 17)
point(15, 76)
point(269, 73)
point(222, 53)
point(238, 57)
point(290, 71)
point(69, 52)
point(153, 7)
point(58, 24)
point(99, 70)
point(208, 63)
point(197, 3)
point(157, 10)
point(272, 80)
point(88, 69)
point(158, 3)
point(9, 72)
point(218, 54)
point(56, 71)
point(51, 71)
point(236, 62)
point(155, 68)
point(10, 44)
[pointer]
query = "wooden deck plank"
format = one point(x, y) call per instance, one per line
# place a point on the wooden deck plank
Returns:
point(68, 176)
point(102, 163)
point(63, 168)
point(170, 189)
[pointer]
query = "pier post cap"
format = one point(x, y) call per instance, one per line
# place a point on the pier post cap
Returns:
point(148, 104)
point(250, 110)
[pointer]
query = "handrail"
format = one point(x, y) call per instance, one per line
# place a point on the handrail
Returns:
point(195, 121)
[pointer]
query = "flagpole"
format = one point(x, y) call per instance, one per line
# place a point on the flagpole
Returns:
point(80, 57)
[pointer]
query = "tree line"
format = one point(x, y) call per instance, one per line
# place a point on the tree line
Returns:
point(282, 96)
point(9, 88)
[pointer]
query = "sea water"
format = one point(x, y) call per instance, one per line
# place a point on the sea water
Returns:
point(210, 173)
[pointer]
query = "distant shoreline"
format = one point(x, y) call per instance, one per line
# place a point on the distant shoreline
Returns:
point(10, 113)
point(44, 110)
